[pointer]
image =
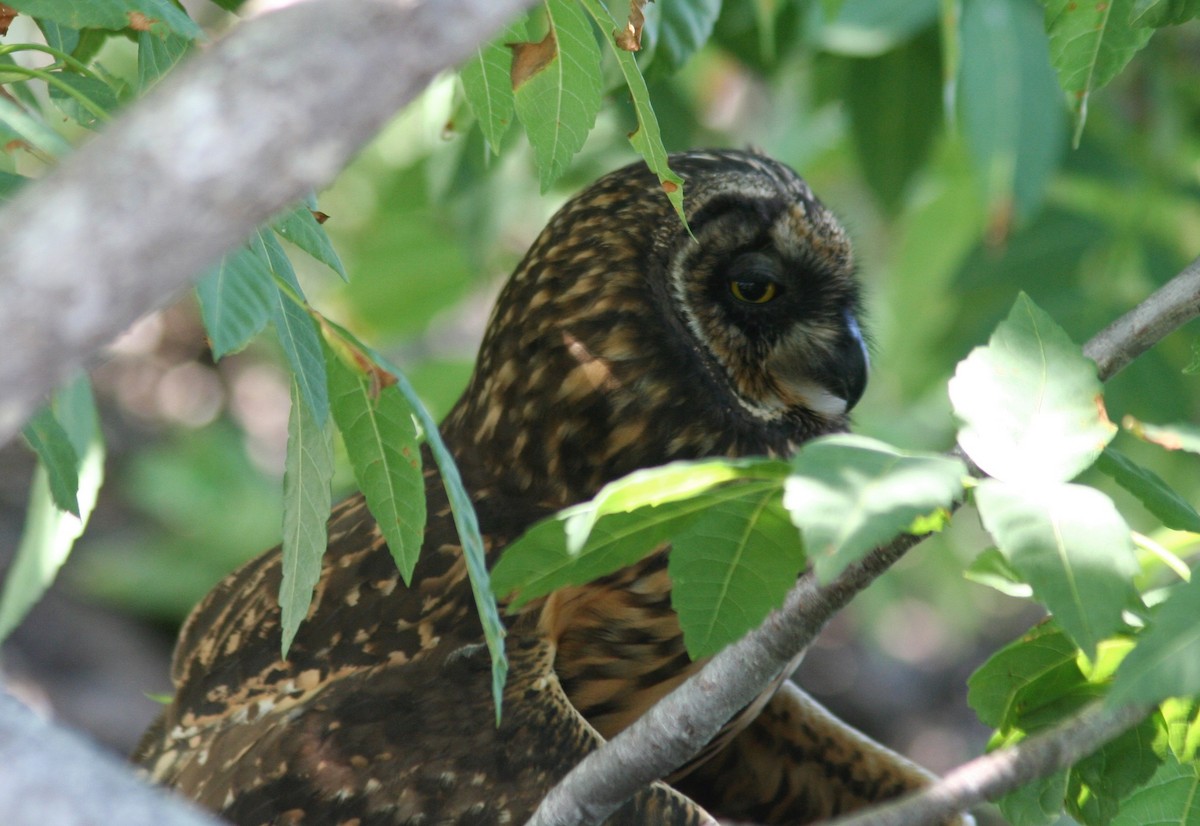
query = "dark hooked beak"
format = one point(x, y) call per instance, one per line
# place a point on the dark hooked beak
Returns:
point(846, 373)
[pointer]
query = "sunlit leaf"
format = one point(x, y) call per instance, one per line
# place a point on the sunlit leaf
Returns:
point(557, 88)
point(1070, 544)
point(160, 16)
point(307, 498)
point(235, 299)
point(990, 568)
point(53, 447)
point(848, 494)
point(1030, 402)
point(1089, 44)
point(382, 442)
point(1157, 496)
point(487, 83)
point(731, 567)
point(1180, 436)
point(1182, 716)
point(1107, 776)
point(1166, 661)
point(646, 139)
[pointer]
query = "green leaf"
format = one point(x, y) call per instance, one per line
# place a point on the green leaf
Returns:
point(557, 88)
point(467, 524)
point(990, 568)
point(18, 124)
point(9, 184)
point(1030, 402)
point(1172, 436)
point(157, 56)
point(646, 139)
point(1156, 495)
point(1010, 106)
point(1022, 675)
point(1089, 44)
point(894, 104)
point(99, 93)
point(297, 332)
point(160, 15)
point(307, 498)
point(301, 228)
point(1166, 661)
point(49, 532)
point(1070, 544)
point(848, 494)
point(682, 29)
point(1107, 776)
point(1038, 803)
point(1159, 13)
point(541, 561)
point(1182, 717)
point(487, 83)
point(57, 455)
point(235, 299)
point(1172, 796)
point(383, 443)
point(731, 567)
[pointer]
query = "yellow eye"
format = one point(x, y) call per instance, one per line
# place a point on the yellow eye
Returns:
point(753, 292)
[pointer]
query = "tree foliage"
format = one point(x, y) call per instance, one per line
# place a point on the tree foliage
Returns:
point(954, 119)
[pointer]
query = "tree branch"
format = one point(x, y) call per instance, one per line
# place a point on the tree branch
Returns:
point(268, 114)
point(993, 775)
point(55, 778)
point(683, 722)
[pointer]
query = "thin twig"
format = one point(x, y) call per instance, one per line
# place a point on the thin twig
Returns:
point(683, 722)
point(993, 775)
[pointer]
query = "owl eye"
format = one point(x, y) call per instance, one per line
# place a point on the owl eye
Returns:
point(753, 292)
point(753, 279)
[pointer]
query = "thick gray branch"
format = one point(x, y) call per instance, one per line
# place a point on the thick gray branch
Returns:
point(993, 775)
point(271, 112)
point(53, 778)
point(683, 722)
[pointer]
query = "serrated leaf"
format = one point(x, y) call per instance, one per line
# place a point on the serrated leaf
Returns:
point(848, 494)
point(382, 442)
point(301, 228)
point(540, 561)
point(1156, 495)
point(157, 56)
point(21, 125)
point(98, 93)
point(556, 88)
point(731, 567)
point(307, 498)
point(1172, 796)
point(297, 332)
point(57, 455)
point(1040, 664)
point(50, 533)
point(1073, 548)
point(235, 299)
point(1030, 402)
point(657, 486)
point(646, 139)
point(1172, 436)
point(467, 524)
point(487, 84)
point(159, 16)
point(1010, 107)
point(1158, 13)
point(1089, 44)
point(1166, 661)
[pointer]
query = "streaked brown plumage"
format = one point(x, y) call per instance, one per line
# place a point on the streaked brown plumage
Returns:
point(619, 343)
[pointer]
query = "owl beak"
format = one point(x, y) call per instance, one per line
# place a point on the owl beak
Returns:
point(851, 363)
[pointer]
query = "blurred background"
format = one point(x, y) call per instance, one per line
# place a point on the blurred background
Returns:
point(958, 191)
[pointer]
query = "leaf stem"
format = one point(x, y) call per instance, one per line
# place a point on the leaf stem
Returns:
point(53, 79)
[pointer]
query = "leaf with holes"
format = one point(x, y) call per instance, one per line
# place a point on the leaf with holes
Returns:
point(1030, 402)
point(307, 498)
point(848, 494)
point(731, 567)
